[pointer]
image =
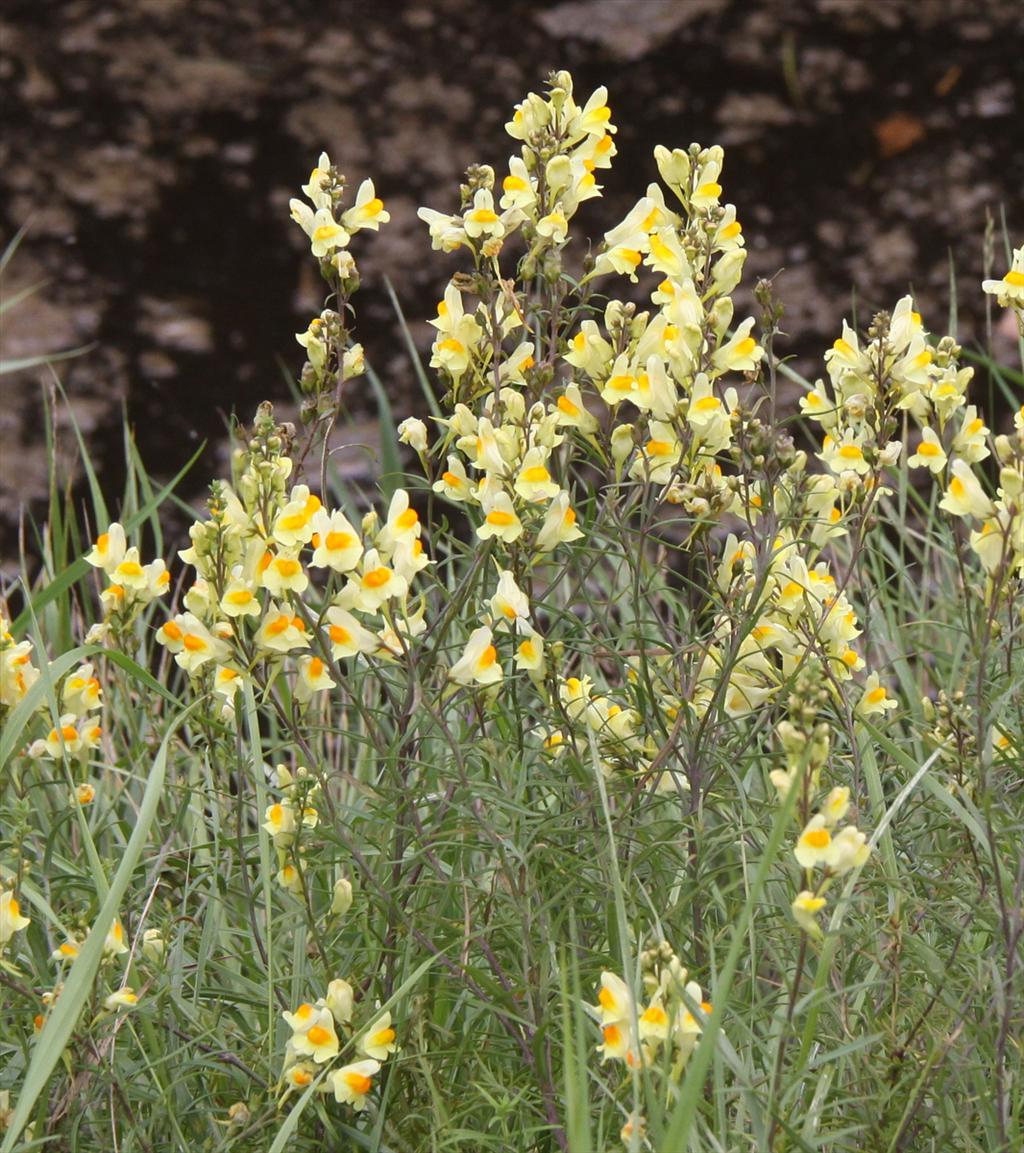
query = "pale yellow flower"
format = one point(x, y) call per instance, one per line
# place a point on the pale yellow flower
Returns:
point(351, 1083)
point(11, 918)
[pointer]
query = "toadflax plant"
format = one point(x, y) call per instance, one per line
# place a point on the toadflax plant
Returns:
point(602, 696)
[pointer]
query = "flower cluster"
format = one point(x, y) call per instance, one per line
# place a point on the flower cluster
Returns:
point(314, 1045)
point(332, 355)
point(286, 820)
point(132, 584)
point(286, 587)
point(77, 731)
point(660, 1035)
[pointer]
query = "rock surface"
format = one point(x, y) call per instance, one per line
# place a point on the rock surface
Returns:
point(151, 148)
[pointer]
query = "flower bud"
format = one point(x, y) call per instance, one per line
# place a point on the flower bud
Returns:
point(341, 902)
point(153, 946)
point(340, 999)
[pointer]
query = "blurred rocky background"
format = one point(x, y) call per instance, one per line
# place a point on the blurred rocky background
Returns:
point(149, 148)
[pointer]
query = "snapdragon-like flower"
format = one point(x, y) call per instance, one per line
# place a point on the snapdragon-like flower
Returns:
point(281, 630)
point(929, 453)
point(279, 822)
point(500, 520)
point(368, 210)
point(123, 998)
point(351, 1083)
point(875, 700)
point(479, 661)
point(1009, 291)
point(313, 1033)
point(379, 1041)
point(109, 549)
point(12, 919)
point(805, 908)
point(965, 496)
point(510, 604)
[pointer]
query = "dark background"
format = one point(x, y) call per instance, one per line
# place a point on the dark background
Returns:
point(151, 148)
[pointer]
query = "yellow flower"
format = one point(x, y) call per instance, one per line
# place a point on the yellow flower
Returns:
point(11, 919)
point(530, 654)
point(509, 603)
point(17, 673)
point(129, 573)
point(368, 210)
point(1009, 291)
point(614, 1000)
point(559, 525)
point(84, 794)
point(301, 1075)
point(617, 1043)
point(740, 354)
point(378, 1041)
point(481, 219)
point(315, 1036)
point(239, 599)
point(123, 998)
point(324, 232)
point(192, 642)
point(68, 951)
point(304, 1017)
point(312, 677)
point(479, 661)
point(659, 455)
point(279, 822)
point(153, 946)
point(570, 411)
point(413, 432)
point(589, 351)
point(849, 850)
point(64, 740)
point(929, 453)
point(351, 1083)
point(293, 526)
point(282, 572)
point(109, 549)
point(814, 844)
point(346, 635)
point(806, 905)
point(653, 1022)
point(290, 879)
point(281, 630)
point(376, 584)
point(965, 496)
point(454, 483)
point(82, 691)
point(403, 523)
point(518, 187)
point(835, 805)
point(533, 481)
point(875, 699)
point(500, 520)
point(969, 442)
point(114, 944)
point(844, 456)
